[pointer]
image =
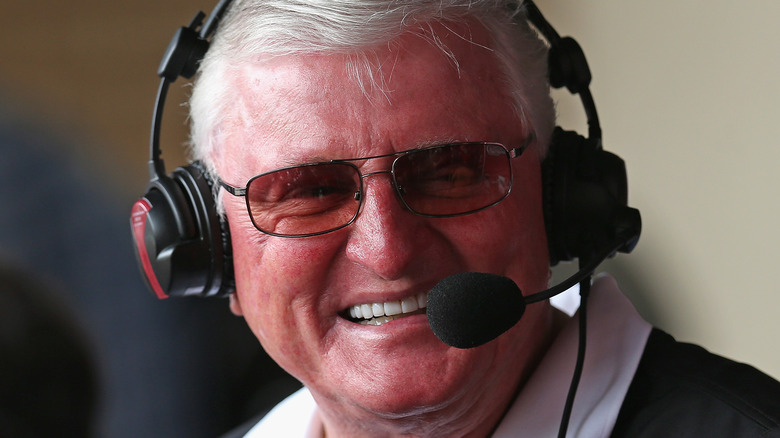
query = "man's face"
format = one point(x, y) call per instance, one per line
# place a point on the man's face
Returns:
point(293, 292)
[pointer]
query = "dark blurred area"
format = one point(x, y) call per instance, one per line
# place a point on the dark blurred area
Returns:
point(77, 86)
point(48, 376)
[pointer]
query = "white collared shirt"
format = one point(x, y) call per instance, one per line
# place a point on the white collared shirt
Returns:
point(616, 338)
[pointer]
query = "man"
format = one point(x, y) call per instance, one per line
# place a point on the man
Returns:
point(333, 260)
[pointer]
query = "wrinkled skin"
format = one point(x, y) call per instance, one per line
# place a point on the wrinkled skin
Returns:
point(397, 378)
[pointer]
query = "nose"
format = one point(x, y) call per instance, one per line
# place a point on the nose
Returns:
point(385, 237)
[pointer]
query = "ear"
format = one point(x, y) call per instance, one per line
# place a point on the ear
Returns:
point(235, 305)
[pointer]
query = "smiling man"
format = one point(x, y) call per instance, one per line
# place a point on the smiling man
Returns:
point(362, 151)
point(341, 310)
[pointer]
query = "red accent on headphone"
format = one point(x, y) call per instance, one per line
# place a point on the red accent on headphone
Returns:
point(138, 216)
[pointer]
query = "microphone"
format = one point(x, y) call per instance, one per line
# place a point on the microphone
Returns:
point(470, 309)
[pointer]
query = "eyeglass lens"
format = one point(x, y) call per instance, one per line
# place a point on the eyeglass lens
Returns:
point(446, 180)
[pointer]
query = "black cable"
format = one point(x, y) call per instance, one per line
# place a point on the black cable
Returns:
point(594, 126)
point(552, 36)
point(156, 165)
point(575, 379)
point(214, 18)
point(584, 272)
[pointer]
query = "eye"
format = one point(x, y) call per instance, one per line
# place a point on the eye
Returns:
point(304, 189)
point(457, 175)
point(318, 190)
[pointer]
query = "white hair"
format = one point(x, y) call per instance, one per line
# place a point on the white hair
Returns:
point(265, 29)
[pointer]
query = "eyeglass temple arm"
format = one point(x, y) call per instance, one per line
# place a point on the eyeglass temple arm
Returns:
point(235, 191)
point(516, 152)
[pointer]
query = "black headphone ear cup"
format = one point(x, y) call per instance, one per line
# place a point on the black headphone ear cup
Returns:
point(555, 176)
point(182, 244)
point(213, 229)
point(585, 195)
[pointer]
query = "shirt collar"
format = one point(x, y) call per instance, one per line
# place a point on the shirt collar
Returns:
point(616, 337)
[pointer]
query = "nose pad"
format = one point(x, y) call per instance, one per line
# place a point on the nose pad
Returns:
point(397, 190)
point(383, 189)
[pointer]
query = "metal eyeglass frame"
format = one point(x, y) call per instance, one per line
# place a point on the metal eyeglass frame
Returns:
point(359, 195)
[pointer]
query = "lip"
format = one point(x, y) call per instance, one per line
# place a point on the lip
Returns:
point(416, 322)
point(409, 326)
point(385, 342)
point(412, 331)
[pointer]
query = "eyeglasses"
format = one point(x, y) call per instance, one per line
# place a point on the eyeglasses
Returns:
point(438, 181)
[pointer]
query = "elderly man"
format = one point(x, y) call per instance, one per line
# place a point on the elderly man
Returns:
point(438, 85)
point(364, 151)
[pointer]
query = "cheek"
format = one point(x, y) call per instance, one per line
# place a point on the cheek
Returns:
point(272, 289)
point(278, 285)
point(510, 238)
point(504, 238)
point(263, 260)
point(526, 218)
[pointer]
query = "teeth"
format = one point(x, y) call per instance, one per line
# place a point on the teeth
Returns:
point(380, 313)
point(409, 304)
point(422, 301)
point(377, 321)
point(393, 308)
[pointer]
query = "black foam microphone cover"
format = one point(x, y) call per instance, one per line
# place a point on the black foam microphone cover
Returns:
point(469, 309)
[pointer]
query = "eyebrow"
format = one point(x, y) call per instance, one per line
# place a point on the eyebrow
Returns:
point(318, 158)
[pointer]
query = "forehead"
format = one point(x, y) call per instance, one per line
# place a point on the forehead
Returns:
point(415, 91)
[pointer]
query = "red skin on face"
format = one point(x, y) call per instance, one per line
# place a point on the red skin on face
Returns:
point(397, 377)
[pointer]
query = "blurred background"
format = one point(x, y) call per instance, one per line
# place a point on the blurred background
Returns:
point(687, 96)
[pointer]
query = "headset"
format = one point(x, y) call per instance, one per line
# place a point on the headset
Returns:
point(183, 245)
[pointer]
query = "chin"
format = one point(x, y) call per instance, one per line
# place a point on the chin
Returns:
point(412, 386)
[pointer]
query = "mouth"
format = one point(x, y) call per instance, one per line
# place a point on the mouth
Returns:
point(382, 313)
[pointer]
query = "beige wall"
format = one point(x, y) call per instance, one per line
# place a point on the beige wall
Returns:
point(689, 96)
point(687, 92)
